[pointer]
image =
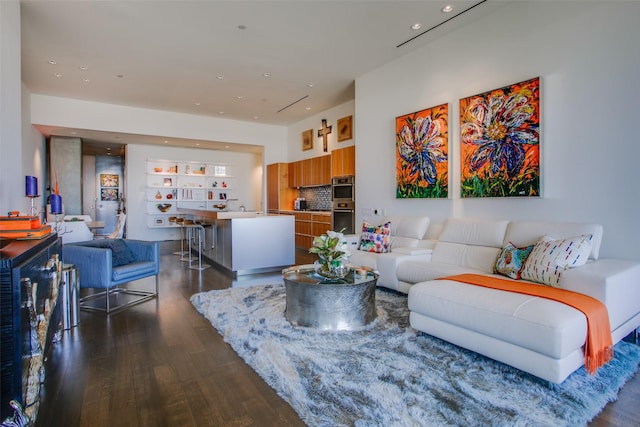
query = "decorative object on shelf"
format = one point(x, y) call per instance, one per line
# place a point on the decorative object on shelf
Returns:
point(19, 418)
point(31, 191)
point(157, 170)
point(345, 128)
point(499, 142)
point(333, 250)
point(307, 140)
point(56, 199)
point(164, 207)
point(158, 195)
point(323, 133)
point(31, 186)
point(422, 160)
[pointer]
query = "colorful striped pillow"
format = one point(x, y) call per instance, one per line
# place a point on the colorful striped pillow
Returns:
point(549, 258)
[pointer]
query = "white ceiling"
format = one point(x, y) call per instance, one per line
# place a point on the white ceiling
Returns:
point(167, 55)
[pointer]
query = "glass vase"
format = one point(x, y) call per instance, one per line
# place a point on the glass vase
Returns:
point(332, 271)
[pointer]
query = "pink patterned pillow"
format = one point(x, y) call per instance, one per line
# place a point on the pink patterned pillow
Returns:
point(375, 238)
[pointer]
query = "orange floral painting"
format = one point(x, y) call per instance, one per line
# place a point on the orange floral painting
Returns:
point(422, 162)
point(499, 142)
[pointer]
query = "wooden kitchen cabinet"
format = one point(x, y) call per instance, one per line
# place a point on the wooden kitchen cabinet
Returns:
point(280, 195)
point(309, 225)
point(343, 161)
point(310, 172)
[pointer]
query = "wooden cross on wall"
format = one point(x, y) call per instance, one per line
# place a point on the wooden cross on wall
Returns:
point(324, 132)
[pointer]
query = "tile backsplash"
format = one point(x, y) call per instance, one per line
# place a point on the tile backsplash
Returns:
point(318, 198)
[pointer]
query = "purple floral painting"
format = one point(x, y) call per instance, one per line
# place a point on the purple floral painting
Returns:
point(422, 162)
point(499, 134)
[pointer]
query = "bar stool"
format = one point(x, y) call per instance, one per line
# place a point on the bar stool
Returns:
point(179, 222)
point(196, 231)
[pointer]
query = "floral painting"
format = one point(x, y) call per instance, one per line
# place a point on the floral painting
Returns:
point(422, 162)
point(499, 142)
point(109, 180)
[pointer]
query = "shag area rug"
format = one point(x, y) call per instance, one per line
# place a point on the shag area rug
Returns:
point(388, 374)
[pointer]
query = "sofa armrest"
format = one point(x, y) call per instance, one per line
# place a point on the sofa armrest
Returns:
point(94, 264)
point(387, 267)
point(613, 282)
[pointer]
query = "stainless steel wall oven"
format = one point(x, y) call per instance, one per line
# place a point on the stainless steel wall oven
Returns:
point(343, 205)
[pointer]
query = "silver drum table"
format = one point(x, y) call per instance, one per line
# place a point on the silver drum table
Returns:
point(321, 303)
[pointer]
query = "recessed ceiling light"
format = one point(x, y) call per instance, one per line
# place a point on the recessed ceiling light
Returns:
point(197, 104)
point(310, 85)
point(266, 75)
point(83, 68)
point(221, 112)
point(226, 146)
point(108, 148)
point(57, 74)
point(239, 96)
point(447, 9)
point(86, 80)
point(220, 77)
point(255, 117)
point(166, 142)
point(197, 144)
point(308, 108)
point(416, 26)
point(52, 62)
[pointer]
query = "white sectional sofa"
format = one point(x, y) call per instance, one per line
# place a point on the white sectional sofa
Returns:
point(408, 242)
point(534, 334)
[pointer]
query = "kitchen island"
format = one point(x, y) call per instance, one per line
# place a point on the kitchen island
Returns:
point(245, 242)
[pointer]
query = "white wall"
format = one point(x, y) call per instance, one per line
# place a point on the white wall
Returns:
point(10, 109)
point(66, 112)
point(247, 172)
point(294, 133)
point(588, 60)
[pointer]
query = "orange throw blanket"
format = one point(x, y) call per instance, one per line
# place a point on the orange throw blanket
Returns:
point(598, 346)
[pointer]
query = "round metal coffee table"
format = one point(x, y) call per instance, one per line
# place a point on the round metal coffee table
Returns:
point(317, 302)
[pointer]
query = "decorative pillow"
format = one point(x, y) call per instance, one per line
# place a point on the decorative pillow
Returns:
point(511, 260)
point(375, 238)
point(120, 252)
point(549, 258)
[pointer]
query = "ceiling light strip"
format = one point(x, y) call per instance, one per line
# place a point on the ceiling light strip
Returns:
point(294, 102)
point(442, 23)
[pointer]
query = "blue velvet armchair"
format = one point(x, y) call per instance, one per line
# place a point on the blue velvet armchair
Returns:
point(107, 264)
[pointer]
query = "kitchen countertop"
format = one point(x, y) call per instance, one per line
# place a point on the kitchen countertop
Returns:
point(327, 212)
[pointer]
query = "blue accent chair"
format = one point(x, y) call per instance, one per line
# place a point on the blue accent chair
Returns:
point(107, 264)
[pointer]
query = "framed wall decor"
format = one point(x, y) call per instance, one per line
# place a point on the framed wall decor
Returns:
point(345, 128)
point(109, 180)
point(109, 194)
point(422, 159)
point(307, 140)
point(499, 142)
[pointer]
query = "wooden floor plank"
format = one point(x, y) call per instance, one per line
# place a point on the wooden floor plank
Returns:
point(161, 363)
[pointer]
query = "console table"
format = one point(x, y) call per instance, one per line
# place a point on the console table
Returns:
point(30, 272)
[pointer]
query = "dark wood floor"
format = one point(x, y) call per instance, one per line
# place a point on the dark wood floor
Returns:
point(161, 363)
